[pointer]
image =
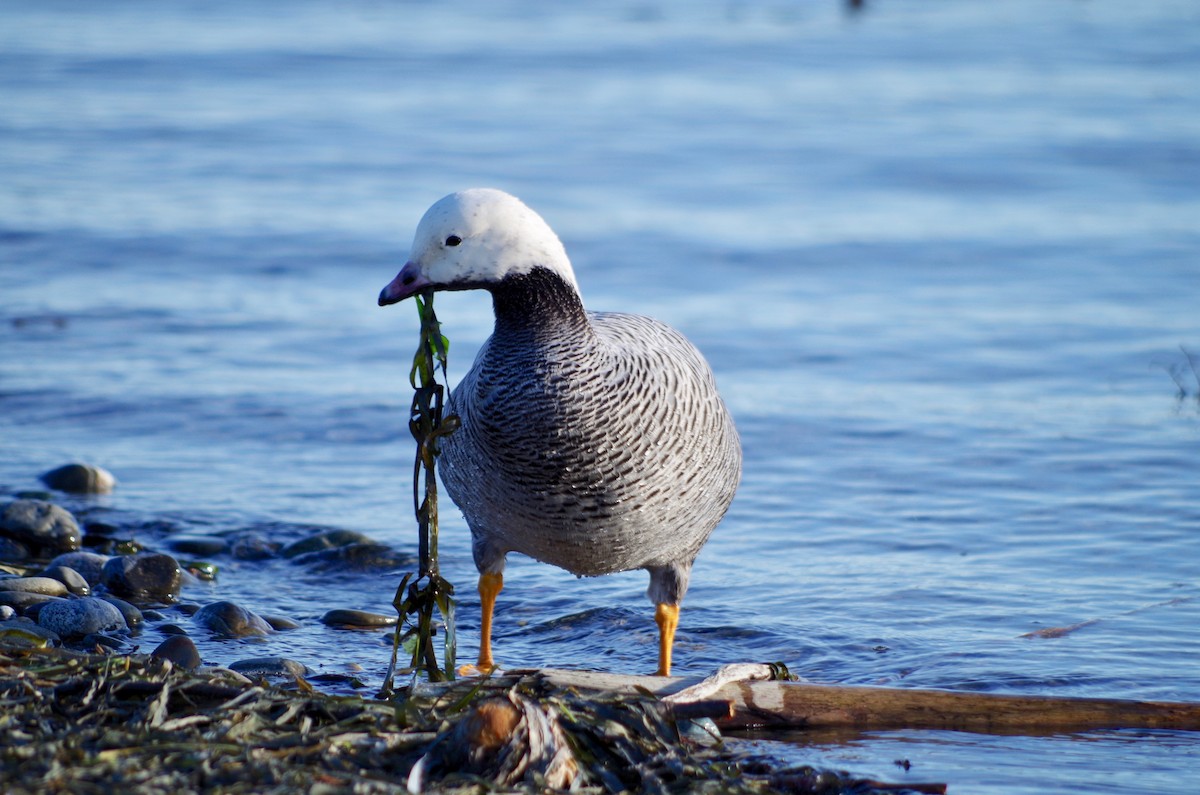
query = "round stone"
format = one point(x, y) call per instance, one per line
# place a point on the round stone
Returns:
point(356, 558)
point(270, 668)
point(199, 545)
point(73, 580)
point(12, 551)
point(252, 545)
point(180, 650)
point(147, 577)
point(357, 619)
point(23, 600)
point(80, 479)
point(88, 564)
point(227, 618)
point(133, 617)
point(74, 618)
point(43, 585)
point(280, 623)
point(41, 525)
point(329, 539)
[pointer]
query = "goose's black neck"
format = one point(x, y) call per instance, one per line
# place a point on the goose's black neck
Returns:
point(538, 302)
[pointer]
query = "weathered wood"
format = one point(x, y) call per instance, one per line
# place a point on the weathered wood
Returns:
point(796, 705)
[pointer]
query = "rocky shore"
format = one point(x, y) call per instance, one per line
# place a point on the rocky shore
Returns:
point(83, 709)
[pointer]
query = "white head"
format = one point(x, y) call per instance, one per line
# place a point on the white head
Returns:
point(474, 239)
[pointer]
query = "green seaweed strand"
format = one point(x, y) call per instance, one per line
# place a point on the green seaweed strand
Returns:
point(417, 599)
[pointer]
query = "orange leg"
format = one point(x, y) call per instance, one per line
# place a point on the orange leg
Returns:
point(489, 589)
point(667, 617)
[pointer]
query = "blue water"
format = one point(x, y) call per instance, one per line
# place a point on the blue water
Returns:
point(942, 257)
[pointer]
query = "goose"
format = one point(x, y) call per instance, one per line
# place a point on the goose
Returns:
point(593, 441)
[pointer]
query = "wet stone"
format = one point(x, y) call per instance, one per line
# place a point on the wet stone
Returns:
point(330, 539)
point(74, 618)
point(356, 558)
point(251, 546)
point(133, 616)
point(171, 629)
point(188, 608)
point(180, 650)
point(71, 579)
point(357, 619)
point(43, 585)
point(22, 600)
point(25, 630)
point(227, 618)
point(199, 545)
point(12, 551)
point(281, 624)
point(148, 577)
point(270, 668)
point(40, 525)
point(6, 612)
point(89, 564)
point(80, 479)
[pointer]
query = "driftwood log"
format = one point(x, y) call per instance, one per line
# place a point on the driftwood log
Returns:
point(750, 702)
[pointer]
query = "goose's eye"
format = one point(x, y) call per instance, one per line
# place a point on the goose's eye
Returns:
point(453, 240)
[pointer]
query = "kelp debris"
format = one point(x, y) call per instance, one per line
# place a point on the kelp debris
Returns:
point(90, 723)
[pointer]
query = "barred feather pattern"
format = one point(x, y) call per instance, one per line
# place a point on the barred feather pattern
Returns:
point(596, 442)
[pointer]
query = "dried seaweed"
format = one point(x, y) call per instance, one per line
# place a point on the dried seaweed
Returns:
point(81, 723)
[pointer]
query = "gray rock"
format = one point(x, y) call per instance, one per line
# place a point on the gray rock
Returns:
point(73, 580)
point(146, 577)
point(133, 617)
point(80, 479)
point(88, 564)
point(357, 619)
point(199, 545)
point(43, 585)
point(226, 618)
point(41, 525)
point(180, 650)
point(270, 668)
point(74, 618)
point(330, 539)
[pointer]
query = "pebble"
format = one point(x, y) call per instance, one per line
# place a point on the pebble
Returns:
point(226, 618)
point(21, 600)
point(330, 539)
point(27, 631)
point(147, 577)
point(80, 479)
point(133, 617)
point(12, 551)
point(43, 585)
point(356, 558)
point(251, 545)
point(270, 668)
point(180, 650)
point(74, 618)
point(199, 545)
point(88, 564)
point(281, 624)
point(41, 525)
point(171, 629)
point(6, 612)
point(71, 579)
point(357, 619)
